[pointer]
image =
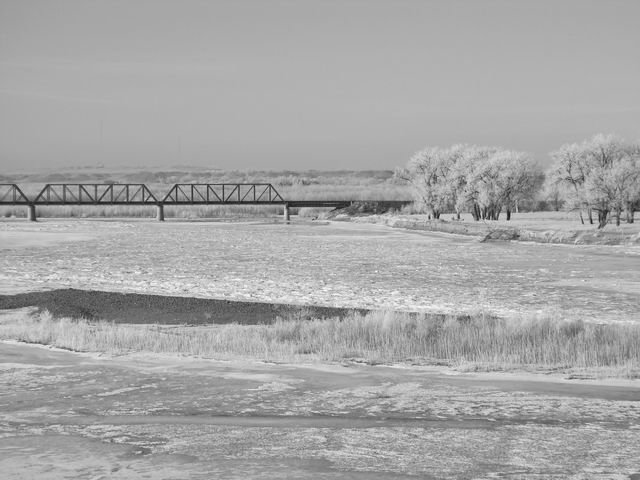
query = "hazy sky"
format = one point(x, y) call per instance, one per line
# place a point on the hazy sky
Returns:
point(308, 84)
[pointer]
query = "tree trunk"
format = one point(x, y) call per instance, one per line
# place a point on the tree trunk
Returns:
point(590, 212)
point(602, 218)
point(508, 214)
point(475, 212)
point(618, 214)
point(581, 218)
point(458, 214)
point(630, 212)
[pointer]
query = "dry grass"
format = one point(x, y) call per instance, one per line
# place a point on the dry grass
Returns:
point(134, 211)
point(470, 343)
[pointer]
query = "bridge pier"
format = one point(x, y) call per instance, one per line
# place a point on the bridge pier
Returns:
point(286, 213)
point(31, 213)
point(160, 213)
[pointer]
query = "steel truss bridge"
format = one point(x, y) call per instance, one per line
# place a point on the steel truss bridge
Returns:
point(178, 194)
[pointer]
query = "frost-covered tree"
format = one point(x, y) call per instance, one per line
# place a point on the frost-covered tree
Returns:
point(552, 194)
point(569, 171)
point(519, 177)
point(468, 178)
point(481, 180)
point(484, 180)
point(601, 174)
point(613, 187)
point(430, 173)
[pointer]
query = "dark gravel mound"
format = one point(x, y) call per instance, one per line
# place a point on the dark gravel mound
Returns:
point(141, 308)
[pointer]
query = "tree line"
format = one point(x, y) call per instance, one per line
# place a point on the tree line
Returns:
point(600, 175)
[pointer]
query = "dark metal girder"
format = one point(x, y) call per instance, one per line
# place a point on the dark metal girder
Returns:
point(344, 203)
point(222, 193)
point(10, 194)
point(57, 203)
point(319, 203)
point(95, 194)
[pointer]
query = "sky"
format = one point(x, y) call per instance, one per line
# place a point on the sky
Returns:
point(302, 84)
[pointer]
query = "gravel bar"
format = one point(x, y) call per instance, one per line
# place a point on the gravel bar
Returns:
point(167, 310)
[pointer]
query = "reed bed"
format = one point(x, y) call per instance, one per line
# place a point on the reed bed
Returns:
point(472, 343)
point(135, 211)
point(183, 211)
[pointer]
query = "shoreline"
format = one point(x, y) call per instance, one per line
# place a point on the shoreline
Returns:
point(482, 230)
point(499, 231)
point(347, 366)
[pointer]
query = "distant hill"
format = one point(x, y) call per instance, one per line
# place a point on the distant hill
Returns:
point(202, 175)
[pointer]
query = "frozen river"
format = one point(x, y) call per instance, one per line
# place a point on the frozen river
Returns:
point(337, 264)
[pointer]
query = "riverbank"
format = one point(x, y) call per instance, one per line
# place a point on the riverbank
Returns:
point(539, 227)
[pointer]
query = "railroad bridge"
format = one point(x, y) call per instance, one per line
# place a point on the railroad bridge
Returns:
point(178, 194)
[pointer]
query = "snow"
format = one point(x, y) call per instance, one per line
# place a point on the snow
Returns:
point(334, 264)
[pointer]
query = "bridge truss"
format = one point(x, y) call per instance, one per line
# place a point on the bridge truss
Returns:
point(178, 194)
point(10, 194)
point(222, 193)
point(95, 194)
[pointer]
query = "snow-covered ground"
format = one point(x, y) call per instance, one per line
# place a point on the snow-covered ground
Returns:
point(335, 264)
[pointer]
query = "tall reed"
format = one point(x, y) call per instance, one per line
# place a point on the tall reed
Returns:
point(474, 342)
